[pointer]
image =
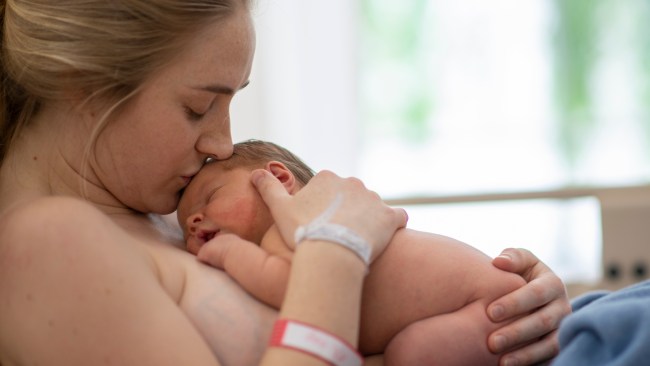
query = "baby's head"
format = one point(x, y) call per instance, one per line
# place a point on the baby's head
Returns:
point(221, 198)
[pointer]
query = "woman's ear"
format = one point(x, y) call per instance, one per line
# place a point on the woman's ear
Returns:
point(284, 175)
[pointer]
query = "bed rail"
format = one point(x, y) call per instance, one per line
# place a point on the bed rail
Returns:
point(625, 219)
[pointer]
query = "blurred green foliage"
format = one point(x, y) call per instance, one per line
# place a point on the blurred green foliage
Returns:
point(583, 29)
point(395, 36)
point(393, 40)
point(575, 46)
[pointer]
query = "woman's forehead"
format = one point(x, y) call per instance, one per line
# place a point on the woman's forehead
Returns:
point(220, 54)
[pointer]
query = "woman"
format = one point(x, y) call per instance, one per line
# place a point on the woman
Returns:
point(108, 110)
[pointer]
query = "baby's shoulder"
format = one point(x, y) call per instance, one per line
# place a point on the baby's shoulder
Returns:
point(273, 243)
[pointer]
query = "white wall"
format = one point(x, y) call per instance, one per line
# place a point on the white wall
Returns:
point(303, 91)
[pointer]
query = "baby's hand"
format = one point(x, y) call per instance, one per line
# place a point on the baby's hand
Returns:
point(215, 251)
point(262, 274)
point(361, 210)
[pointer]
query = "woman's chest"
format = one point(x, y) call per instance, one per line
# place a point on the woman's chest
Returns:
point(235, 325)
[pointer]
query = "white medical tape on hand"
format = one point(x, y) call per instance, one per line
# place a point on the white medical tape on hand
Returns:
point(320, 229)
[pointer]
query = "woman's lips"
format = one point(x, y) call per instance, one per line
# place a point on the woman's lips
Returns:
point(188, 177)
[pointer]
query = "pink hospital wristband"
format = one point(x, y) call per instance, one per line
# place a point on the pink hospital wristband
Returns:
point(315, 342)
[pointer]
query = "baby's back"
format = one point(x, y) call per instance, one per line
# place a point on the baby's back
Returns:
point(422, 275)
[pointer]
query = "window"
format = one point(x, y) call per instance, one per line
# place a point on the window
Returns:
point(463, 98)
point(471, 97)
point(475, 96)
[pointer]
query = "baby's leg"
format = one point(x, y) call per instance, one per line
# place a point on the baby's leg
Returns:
point(454, 339)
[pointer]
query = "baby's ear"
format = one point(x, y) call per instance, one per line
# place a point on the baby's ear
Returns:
point(283, 174)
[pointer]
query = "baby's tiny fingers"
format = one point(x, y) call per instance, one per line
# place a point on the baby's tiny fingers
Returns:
point(214, 252)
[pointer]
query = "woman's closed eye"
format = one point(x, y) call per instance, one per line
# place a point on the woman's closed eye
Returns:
point(192, 115)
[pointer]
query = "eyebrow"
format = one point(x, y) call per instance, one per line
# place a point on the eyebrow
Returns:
point(220, 89)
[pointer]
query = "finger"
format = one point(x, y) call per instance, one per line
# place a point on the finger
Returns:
point(402, 217)
point(535, 294)
point(528, 328)
point(271, 190)
point(533, 354)
point(516, 260)
point(214, 252)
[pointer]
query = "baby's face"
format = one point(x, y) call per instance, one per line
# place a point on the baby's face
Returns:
point(221, 201)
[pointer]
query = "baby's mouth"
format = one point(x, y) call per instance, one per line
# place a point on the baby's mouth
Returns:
point(206, 236)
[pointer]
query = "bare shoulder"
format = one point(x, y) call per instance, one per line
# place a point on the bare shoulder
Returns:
point(53, 208)
point(68, 271)
point(50, 228)
point(53, 231)
point(273, 243)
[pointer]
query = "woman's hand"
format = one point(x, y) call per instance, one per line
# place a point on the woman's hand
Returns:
point(360, 209)
point(544, 295)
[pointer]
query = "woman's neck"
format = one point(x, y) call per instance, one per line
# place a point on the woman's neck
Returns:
point(47, 159)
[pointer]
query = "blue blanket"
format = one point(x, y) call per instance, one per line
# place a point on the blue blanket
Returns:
point(607, 328)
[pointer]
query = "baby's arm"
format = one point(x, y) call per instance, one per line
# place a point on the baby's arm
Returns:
point(261, 273)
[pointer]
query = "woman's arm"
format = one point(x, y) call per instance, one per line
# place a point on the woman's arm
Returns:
point(210, 253)
point(326, 279)
point(545, 294)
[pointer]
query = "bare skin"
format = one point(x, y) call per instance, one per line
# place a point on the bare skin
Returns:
point(221, 201)
point(80, 253)
point(97, 262)
point(249, 227)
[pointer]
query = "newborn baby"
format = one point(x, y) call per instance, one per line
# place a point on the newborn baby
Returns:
point(424, 299)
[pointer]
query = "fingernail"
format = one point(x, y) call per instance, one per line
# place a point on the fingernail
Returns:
point(500, 343)
point(505, 256)
point(510, 361)
point(497, 312)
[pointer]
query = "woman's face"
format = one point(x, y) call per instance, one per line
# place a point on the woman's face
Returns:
point(154, 145)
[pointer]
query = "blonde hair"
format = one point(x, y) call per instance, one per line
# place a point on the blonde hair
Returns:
point(104, 49)
point(256, 153)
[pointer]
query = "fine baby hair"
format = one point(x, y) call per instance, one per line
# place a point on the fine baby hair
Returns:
point(254, 153)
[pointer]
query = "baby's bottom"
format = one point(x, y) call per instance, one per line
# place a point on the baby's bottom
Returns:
point(453, 339)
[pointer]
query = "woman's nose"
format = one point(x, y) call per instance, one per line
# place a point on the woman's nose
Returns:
point(215, 141)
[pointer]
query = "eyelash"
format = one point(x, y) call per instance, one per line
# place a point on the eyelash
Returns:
point(211, 196)
point(191, 115)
